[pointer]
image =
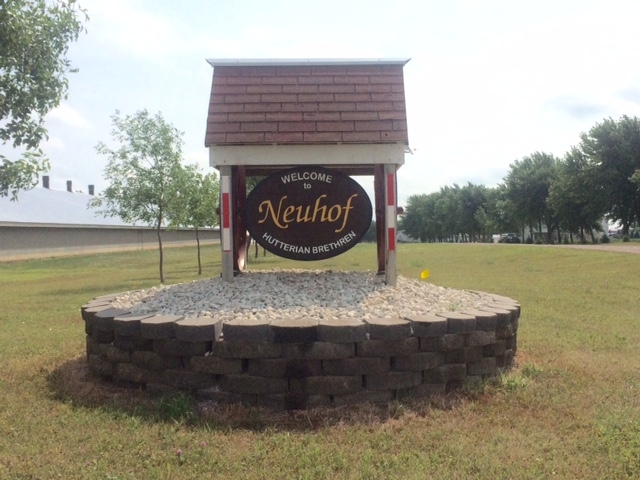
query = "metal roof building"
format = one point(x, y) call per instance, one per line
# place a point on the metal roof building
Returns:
point(46, 222)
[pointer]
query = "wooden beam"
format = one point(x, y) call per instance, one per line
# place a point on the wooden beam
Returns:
point(390, 223)
point(380, 208)
point(239, 196)
point(226, 223)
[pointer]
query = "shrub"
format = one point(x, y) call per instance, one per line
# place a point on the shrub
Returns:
point(565, 240)
point(626, 238)
point(538, 241)
point(605, 239)
point(529, 241)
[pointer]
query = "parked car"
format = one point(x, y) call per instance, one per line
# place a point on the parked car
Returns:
point(510, 238)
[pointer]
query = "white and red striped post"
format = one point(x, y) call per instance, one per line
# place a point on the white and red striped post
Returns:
point(226, 225)
point(390, 218)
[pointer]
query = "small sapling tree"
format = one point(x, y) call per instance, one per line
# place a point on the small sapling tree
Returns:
point(145, 172)
point(198, 202)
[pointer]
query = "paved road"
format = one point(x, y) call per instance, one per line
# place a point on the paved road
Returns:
point(633, 247)
point(616, 247)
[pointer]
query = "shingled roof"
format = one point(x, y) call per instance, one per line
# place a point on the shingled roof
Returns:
point(289, 102)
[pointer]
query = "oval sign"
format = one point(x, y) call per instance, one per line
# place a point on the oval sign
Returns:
point(308, 213)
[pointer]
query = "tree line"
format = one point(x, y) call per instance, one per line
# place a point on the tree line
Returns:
point(555, 198)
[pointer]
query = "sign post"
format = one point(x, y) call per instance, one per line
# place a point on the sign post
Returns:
point(226, 225)
point(390, 220)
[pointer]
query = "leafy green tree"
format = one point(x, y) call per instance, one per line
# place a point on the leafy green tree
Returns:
point(458, 214)
point(527, 188)
point(472, 199)
point(494, 215)
point(198, 201)
point(448, 212)
point(576, 197)
point(145, 173)
point(635, 178)
point(370, 236)
point(34, 40)
point(613, 147)
point(419, 220)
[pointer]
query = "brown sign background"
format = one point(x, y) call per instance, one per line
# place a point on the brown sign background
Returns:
point(308, 213)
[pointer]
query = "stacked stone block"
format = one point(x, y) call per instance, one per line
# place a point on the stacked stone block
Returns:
point(298, 363)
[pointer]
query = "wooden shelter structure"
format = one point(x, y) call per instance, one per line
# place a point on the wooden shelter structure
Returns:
point(348, 115)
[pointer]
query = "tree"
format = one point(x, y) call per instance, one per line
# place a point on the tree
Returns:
point(370, 236)
point(494, 215)
point(418, 220)
point(447, 212)
point(145, 173)
point(635, 178)
point(198, 201)
point(458, 214)
point(472, 200)
point(577, 199)
point(613, 147)
point(34, 40)
point(527, 188)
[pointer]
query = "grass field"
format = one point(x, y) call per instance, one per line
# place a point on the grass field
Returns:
point(571, 408)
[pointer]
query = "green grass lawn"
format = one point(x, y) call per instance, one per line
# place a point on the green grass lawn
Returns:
point(571, 408)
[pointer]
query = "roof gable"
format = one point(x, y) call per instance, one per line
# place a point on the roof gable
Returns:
point(307, 102)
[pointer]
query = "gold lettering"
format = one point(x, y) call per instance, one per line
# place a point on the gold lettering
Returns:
point(317, 208)
point(305, 218)
point(338, 210)
point(286, 214)
point(346, 209)
point(288, 211)
point(274, 216)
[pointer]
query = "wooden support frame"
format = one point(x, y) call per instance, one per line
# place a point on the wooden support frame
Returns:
point(380, 214)
point(390, 223)
point(226, 223)
point(233, 233)
point(239, 197)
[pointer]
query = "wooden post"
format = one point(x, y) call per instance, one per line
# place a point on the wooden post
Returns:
point(391, 216)
point(378, 189)
point(226, 224)
point(239, 196)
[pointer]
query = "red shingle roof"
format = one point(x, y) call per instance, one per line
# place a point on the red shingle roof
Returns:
point(307, 103)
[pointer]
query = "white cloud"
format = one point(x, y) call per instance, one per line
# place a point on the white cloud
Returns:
point(55, 143)
point(135, 30)
point(69, 116)
point(199, 157)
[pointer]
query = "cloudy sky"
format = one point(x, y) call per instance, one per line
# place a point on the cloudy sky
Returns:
point(489, 81)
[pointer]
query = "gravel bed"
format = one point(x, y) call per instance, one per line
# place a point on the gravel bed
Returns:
point(294, 293)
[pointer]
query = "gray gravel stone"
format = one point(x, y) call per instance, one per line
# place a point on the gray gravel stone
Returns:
point(270, 295)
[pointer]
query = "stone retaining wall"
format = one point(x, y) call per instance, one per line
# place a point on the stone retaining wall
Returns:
point(292, 364)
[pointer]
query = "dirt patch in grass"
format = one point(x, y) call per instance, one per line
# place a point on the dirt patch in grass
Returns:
point(73, 382)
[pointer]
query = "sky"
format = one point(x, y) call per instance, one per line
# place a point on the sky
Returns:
point(489, 81)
